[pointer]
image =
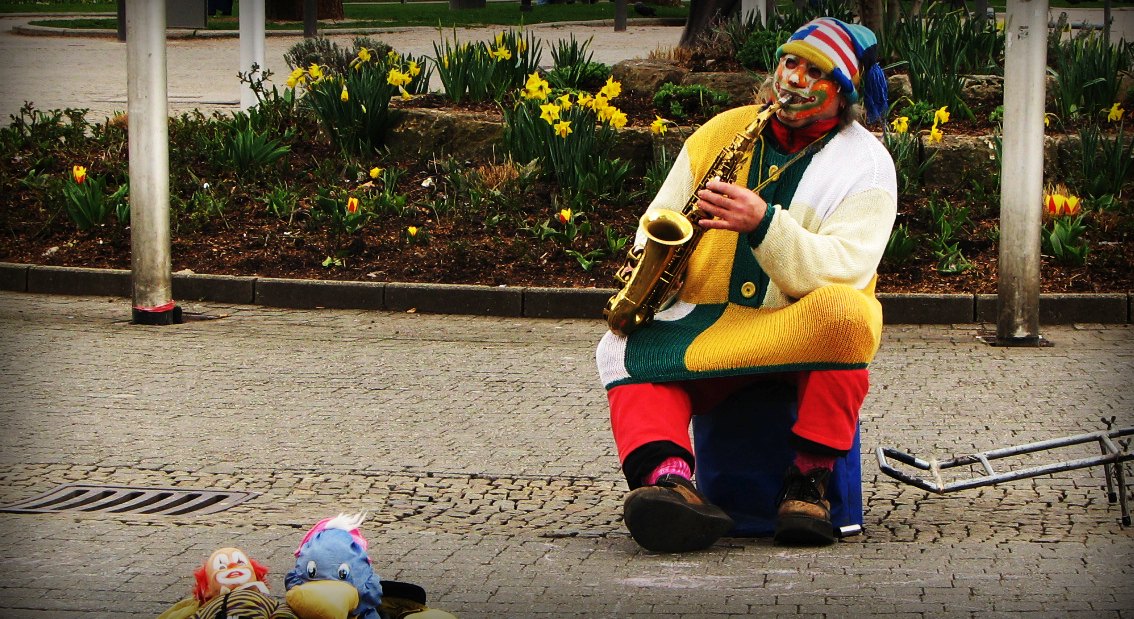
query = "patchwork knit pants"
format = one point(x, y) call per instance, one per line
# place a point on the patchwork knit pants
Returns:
point(651, 421)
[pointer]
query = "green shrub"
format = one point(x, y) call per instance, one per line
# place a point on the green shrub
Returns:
point(693, 100)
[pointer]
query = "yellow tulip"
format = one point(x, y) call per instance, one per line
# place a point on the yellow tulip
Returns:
point(79, 173)
point(565, 216)
point(352, 205)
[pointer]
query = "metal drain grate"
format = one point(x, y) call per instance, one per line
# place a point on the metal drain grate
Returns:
point(87, 498)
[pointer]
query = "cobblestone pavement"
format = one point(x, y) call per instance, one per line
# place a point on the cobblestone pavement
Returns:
point(480, 446)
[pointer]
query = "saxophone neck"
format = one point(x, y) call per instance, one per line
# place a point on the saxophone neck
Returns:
point(765, 112)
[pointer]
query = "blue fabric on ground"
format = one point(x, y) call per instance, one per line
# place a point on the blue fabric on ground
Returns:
point(742, 454)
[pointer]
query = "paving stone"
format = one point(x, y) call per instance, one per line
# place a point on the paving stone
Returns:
point(480, 448)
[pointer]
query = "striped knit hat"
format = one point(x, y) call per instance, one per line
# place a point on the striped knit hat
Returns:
point(849, 52)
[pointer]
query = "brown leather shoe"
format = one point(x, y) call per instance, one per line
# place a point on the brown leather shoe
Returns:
point(671, 516)
point(804, 516)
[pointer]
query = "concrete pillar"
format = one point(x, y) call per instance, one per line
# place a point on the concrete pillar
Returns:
point(1021, 175)
point(252, 18)
point(148, 114)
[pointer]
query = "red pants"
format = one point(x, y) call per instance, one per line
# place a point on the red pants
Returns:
point(828, 405)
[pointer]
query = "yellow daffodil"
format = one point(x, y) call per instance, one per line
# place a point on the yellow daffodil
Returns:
point(550, 113)
point(599, 103)
point(411, 231)
point(499, 39)
point(941, 116)
point(565, 216)
point(352, 205)
point(901, 124)
point(501, 53)
point(344, 96)
point(585, 99)
point(393, 56)
point(79, 174)
point(935, 134)
point(397, 78)
point(659, 126)
point(617, 118)
point(521, 45)
point(414, 70)
point(536, 87)
point(298, 76)
point(612, 88)
point(1115, 113)
point(364, 54)
point(406, 96)
point(445, 61)
point(563, 128)
point(564, 101)
point(315, 71)
point(375, 172)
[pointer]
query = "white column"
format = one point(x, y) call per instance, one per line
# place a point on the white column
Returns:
point(252, 18)
point(148, 114)
point(753, 6)
point(1021, 173)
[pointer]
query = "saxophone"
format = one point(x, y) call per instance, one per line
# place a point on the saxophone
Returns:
point(651, 275)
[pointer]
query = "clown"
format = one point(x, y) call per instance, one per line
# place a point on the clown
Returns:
point(229, 584)
point(780, 288)
point(228, 569)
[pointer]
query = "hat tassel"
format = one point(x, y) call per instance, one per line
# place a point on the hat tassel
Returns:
point(875, 93)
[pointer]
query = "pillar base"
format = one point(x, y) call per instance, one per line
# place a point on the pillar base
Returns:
point(171, 316)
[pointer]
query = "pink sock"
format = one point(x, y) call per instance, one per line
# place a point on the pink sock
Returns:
point(806, 461)
point(670, 466)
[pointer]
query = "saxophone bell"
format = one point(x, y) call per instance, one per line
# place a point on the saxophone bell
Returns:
point(630, 309)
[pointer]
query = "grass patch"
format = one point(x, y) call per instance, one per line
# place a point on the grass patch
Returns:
point(389, 14)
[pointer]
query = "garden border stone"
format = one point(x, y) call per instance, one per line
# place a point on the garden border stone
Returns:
point(1056, 309)
point(529, 302)
point(455, 299)
point(13, 277)
point(318, 293)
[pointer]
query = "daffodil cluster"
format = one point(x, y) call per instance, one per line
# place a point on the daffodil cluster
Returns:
point(536, 88)
point(487, 70)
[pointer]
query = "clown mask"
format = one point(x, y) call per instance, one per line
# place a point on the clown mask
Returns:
point(810, 92)
point(228, 569)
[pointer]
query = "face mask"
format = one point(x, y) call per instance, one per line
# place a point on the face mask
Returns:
point(812, 94)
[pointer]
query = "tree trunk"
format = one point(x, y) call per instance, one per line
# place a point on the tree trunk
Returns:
point(702, 14)
point(292, 10)
point(870, 15)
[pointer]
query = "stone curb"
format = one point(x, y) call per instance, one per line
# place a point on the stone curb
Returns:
point(528, 302)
